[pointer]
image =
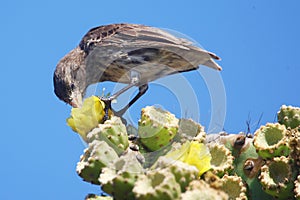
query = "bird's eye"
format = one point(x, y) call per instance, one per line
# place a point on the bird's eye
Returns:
point(69, 99)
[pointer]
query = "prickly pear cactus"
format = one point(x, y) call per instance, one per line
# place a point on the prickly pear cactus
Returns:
point(184, 173)
point(119, 179)
point(271, 141)
point(156, 185)
point(113, 132)
point(221, 159)
point(170, 158)
point(199, 190)
point(97, 156)
point(289, 116)
point(157, 128)
point(277, 177)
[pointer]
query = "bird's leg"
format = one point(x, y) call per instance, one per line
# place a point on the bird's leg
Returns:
point(124, 89)
point(107, 100)
point(135, 79)
point(142, 91)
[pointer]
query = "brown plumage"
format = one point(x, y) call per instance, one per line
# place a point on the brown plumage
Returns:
point(125, 53)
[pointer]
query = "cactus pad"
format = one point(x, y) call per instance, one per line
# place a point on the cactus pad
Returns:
point(271, 141)
point(156, 128)
point(289, 116)
point(119, 179)
point(183, 172)
point(199, 190)
point(98, 155)
point(221, 159)
point(234, 187)
point(277, 177)
point(157, 185)
point(113, 132)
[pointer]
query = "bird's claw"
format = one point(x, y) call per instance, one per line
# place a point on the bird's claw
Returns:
point(107, 101)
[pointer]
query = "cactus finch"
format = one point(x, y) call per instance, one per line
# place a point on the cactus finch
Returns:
point(125, 53)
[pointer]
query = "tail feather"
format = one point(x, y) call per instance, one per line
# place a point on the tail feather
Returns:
point(212, 64)
point(214, 56)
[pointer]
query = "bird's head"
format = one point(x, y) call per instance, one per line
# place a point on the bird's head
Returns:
point(69, 78)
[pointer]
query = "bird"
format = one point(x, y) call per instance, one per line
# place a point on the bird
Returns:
point(133, 54)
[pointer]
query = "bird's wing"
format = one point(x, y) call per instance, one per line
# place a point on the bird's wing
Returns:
point(126, 33)
point(123, 38)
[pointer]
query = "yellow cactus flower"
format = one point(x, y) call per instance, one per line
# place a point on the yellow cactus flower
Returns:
point(193, 153)
point(84, 119)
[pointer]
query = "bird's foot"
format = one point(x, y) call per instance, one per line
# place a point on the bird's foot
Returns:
point(107, 101)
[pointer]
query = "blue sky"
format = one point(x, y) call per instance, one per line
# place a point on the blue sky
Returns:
point(258, 42)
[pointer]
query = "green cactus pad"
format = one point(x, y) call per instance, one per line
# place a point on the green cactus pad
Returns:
point(157, 127)
point(98, 155)
point(277, 178)
point(119, 179)
point(271, 141)
point(183, 172)
point(157, 185)
point(234, 187)
point(221, 159)
point(113, 132)
point(289, 116)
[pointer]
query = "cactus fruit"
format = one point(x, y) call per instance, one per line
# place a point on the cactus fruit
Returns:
point(277, 177)
point(84, 119)
point(98, 155)
point(289, 116)
point(271, 141)
point(156, 128)
point(113, 132)
point(157, 185)
point(118, 180)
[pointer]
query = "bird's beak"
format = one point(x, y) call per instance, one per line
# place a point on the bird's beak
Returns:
point(74, 104)
point(76, 101)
